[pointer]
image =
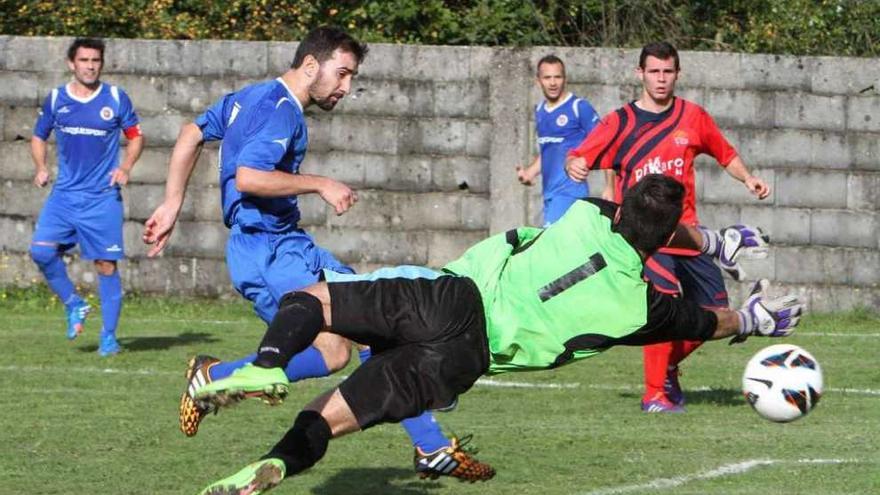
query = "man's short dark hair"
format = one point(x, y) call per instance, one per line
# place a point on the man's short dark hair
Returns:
point(323, 41)
point(549, 59)
point(650, 212)
point(659, 49)
point(93, 43)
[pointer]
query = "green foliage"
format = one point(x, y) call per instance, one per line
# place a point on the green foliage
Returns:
point(807, 27)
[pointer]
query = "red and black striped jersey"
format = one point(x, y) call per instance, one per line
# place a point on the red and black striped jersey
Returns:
point(634, 143)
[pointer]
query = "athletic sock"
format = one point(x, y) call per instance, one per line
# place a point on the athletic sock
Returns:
point(304, 444)
point(423, 430)
point(110, 292)
point(656, 359)
point(296, 324)
point(224, 369)
point(51, 265)
point(683, 349)
point(307, 364)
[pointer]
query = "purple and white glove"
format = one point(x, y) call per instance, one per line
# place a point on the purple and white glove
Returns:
point(768, 317)
point(728, 245)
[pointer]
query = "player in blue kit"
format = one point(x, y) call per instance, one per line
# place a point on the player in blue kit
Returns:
point(264, 141)
point(562, 121)
point(85, 205)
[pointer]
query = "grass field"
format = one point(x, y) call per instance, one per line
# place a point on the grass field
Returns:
point(72, 422)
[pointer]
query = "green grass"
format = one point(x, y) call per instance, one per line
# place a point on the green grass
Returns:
point(72, 422)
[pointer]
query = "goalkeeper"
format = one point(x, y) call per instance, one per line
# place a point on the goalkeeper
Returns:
point(530, 299)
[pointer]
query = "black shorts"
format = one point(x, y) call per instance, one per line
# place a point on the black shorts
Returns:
point(428, 341)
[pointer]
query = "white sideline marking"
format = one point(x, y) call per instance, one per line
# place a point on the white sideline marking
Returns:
point(488, 382)
point(725, 470)
point(108, 371)
point(837, 334)
point(482, 382)
point(244, 320)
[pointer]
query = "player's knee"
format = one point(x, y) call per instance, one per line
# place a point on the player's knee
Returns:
point(335, 350)
point(303, 305)
point(43, 254)
point(300, 316)
point(105, 267)
point(304, 444)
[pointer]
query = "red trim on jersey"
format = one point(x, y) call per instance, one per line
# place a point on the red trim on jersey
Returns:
point(679, 251)
point(659, 269)
point(133, 131)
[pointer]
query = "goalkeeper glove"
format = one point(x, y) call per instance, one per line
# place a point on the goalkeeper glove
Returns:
point(731, 243)
point(767, 317)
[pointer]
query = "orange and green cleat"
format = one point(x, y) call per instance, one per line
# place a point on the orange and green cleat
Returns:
point(190, 413)
point(257, 478)
point(267, 384)
point(454, 461)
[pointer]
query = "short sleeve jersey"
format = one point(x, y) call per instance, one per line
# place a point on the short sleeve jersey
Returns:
point(558, 131)
point(635, 143)
point(87, 132)
point(262, 127)
point(570, 291)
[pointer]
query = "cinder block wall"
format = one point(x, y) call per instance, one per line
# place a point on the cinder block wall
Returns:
point(431, 141)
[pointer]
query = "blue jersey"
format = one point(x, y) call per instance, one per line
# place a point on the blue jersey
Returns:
point(87, 134)
point(262, 127)
point(559, 130)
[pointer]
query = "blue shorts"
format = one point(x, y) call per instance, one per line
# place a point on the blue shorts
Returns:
point(555, 206)
point(92, 220)
point(696, 278)
point(264, 266)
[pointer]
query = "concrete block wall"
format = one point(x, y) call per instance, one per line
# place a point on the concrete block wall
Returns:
point(430, 139)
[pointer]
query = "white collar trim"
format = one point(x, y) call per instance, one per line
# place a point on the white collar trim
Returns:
point(561, 102)
point(293, 96)
point(87, 98)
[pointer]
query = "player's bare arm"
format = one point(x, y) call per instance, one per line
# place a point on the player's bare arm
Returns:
point(527, 175)
point(158, 228)
point(38, 154)
point(738, 170)
point(277, 184)
point(608, 191)
point(133, 150)
point(576, 168)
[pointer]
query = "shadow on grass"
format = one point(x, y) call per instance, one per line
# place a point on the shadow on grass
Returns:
point(716, 396)
point(387, 481)
point(138, 344)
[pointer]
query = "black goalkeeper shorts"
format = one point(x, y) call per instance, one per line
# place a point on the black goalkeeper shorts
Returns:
point(428, 342)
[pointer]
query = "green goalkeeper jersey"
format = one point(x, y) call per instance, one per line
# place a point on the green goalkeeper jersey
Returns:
point(561, 294)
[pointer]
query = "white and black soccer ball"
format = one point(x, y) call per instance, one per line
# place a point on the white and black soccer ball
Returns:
point(783, 382)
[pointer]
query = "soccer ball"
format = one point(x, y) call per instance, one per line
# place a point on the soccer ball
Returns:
point(782, 382)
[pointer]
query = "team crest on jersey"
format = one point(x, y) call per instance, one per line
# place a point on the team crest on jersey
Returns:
point(562, 120)
point(106, 113)
point(680, 138)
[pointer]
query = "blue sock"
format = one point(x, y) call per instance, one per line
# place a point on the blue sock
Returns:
point(110, 292)
point(225, 368)
point(307, 364)
point(49, 261)
point(423, 430)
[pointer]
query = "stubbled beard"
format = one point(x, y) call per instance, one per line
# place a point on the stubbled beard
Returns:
point(323, 103)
